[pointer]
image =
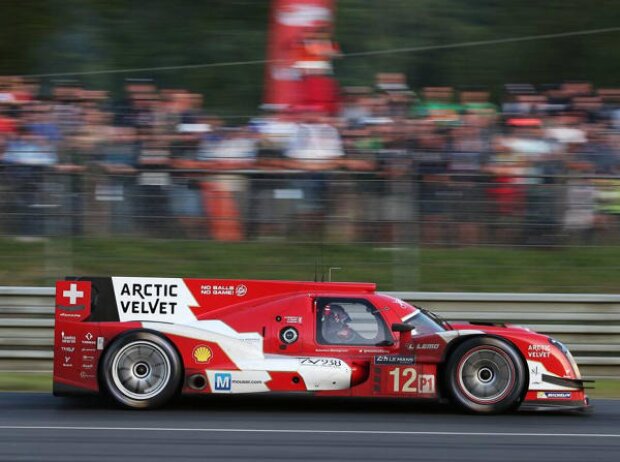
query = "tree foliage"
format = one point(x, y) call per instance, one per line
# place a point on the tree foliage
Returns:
point(38, 36)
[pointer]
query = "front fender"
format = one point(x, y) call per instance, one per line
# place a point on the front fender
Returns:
point(554, 379)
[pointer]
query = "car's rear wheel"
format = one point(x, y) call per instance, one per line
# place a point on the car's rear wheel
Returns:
point(141, 370)
point(485, 375)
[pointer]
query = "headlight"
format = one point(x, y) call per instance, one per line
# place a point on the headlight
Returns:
point(564, 349)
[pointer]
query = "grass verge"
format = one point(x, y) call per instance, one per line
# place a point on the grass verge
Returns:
point(16, 381)
point(467, 269)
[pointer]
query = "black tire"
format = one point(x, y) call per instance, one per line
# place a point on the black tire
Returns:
point(141, 370)
point(485, 375)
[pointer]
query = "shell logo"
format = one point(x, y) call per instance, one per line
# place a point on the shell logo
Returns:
point(202, 354)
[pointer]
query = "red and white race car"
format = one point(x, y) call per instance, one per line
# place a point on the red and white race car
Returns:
point(145, 340)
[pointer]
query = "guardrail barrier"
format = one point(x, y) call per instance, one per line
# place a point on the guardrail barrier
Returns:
point(589, 324)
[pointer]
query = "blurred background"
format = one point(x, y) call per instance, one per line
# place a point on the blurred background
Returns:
point(463, 155)
point(431, 145)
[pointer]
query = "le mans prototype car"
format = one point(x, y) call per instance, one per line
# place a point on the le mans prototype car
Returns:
point(144, 340)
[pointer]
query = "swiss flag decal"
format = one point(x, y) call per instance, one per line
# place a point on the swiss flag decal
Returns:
point(73, 299)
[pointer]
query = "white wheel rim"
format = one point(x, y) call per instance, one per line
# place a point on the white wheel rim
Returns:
point(140, 370)
point(485, 375)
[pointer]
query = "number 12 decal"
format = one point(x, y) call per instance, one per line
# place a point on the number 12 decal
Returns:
point(406, 380)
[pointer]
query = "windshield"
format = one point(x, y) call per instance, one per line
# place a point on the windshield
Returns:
point(423, 323)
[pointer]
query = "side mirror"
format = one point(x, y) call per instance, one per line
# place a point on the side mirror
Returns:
point(405, 336)
point(401, 327)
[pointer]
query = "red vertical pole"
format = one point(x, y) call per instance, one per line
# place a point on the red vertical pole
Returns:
point(289, 20)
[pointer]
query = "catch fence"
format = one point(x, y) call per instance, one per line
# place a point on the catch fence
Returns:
point(400, 224)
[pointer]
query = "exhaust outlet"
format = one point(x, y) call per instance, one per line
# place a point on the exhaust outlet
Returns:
point(197, 382)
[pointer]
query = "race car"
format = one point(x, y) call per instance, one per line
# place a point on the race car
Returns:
point(143, 340)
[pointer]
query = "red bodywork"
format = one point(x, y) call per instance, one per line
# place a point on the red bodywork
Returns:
point(230, 336)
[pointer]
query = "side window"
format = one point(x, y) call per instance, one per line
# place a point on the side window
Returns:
point(349, 322)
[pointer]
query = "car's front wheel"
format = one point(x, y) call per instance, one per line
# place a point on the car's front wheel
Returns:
point(485, 375)
point(141, 370)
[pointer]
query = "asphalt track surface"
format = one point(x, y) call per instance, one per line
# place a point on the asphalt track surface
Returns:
point(37, 426)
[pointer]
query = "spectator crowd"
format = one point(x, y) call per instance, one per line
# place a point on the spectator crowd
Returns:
point(533, 165)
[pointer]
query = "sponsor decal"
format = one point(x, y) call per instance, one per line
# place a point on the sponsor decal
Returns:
point(70, 339)
point(321, 362)
point(223, 381)
point(67, 361)
point(427, 346)
point(399, 302)
point(148, 298)
point(539, 351)
point(86, 375)
point(100, 341)
point(238, 381)
point(70, 315)
point(246, 382)
point(72, 299)
point(289, 335)
point(73, 294)
point(241, 290)
point(554, 395)
point(394, 360)
point(148, 290)
point(202, 354)
point(87, 366)
point(65, 349)
point(255, 342)
point(293, 319)
point(536, 372)
point(148, 307)
point(89, 339)
point(220, 289)
point(158, 299)
point(88, 349)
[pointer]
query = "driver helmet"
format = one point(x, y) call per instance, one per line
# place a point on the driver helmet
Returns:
point(336, 314)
